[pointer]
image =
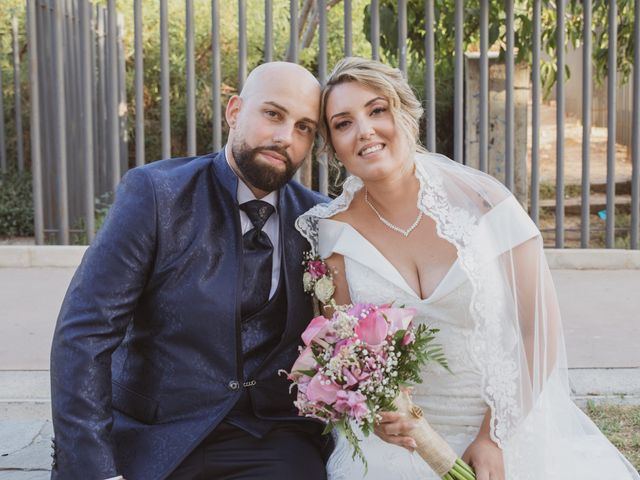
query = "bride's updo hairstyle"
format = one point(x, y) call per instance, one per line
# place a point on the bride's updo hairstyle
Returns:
point(384, 80)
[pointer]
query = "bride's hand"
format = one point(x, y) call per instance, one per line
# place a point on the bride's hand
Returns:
point(394, 428)
point(486, 459)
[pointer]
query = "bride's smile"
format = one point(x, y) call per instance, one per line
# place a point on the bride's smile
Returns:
point(365, 134)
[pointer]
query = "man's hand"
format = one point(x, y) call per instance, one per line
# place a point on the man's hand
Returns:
point(394, 428)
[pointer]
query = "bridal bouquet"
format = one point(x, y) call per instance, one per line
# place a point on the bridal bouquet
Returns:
point(352, 367)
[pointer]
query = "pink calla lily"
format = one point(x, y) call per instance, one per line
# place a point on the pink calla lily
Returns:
point(372, 329)
point(399, 318)
point(315, 327)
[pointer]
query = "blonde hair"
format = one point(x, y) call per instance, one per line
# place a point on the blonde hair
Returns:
point(383, 79)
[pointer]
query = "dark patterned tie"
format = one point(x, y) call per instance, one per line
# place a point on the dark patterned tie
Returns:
point(258, 253)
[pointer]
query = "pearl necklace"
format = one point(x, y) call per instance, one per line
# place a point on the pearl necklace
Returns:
point(387, 223)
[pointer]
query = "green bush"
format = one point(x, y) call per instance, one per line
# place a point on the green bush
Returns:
point(16, 204)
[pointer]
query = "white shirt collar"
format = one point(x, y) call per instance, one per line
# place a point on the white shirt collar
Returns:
point(244, 193)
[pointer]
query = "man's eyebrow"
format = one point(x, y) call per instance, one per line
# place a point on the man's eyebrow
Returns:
point(374, 99)
point(280, 107)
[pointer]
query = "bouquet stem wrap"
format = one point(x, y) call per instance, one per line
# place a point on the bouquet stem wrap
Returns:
point(430, 445)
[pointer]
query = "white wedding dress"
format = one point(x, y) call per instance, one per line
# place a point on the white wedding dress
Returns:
point(551, 440)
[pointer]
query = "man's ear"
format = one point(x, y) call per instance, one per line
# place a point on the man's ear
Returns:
point(232, 111)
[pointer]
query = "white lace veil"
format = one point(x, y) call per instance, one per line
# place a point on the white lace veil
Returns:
point(517, 344)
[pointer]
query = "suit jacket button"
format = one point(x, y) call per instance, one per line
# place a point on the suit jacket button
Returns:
point(234, 385)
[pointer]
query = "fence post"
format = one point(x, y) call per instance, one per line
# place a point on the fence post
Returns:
point(560, 24)
point(402, 36)
point(535, 116)
point(458, 113)
point(17, 95)
point(139, 82)
point(36, 160)
point(509, 150)
point(3, 150)
point(348, 35)
point(374, 9)
point(191, 82)
point(612, 62)
point(164, 80)
point(635, 183)
point(429, 77)
point(484, 85)
point(88, 112)
point(60, 129)
point(586, 121)
point(268, 30)
point(215, 75)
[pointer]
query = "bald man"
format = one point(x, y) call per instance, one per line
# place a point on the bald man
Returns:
point(188, 303)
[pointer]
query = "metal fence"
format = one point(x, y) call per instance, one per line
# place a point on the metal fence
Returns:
point(77, 73)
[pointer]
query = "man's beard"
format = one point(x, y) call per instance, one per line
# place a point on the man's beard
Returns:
point(262, 176)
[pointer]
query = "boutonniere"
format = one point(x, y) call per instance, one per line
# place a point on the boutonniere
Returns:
point(317, 278)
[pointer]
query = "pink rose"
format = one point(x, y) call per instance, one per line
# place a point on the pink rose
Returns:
point(353, 376)
point(318, 390)
point(399, 318)
point(372, 329)
point(351, 403)
point(316, 327)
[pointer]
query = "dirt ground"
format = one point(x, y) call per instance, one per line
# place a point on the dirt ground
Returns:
point(573, 151)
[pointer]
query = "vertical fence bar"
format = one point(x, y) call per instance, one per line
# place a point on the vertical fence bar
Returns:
point(3, 148)
point(215, 75)
point(268, 30)
point(36, 159)
point(76, 127)
point(293, 31)
point(46, 43)
point(509, 112)
point(87, 107)
point(586, 122)
point(484, 85)
point(164, 81)
point(402, 36)
point(535, 116)
point(191, 82)
point(112, 82)
point(122, 98)
point(101, 143)
point(458, 96)
point(635, 148)
point(17, 95)
point(323, 170)
point(374, 9)
point(348, 34)
point(139, 81)
point(612, 63)
point(429, 77)
point(242, 43)
point(60, 131)
point(560, 109)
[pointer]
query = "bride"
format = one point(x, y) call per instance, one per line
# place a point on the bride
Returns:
point(420, 230)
